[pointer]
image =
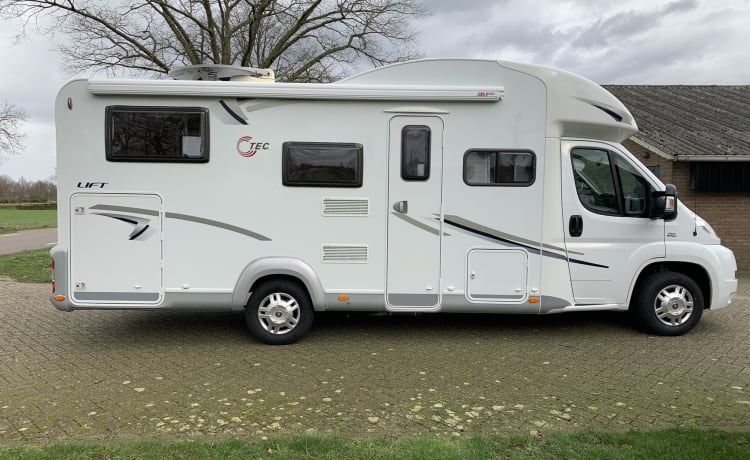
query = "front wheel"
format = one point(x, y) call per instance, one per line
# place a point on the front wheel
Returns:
point(279, 312)
point(668, 303)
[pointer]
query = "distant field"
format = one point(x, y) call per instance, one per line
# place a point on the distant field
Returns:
point(13, 220)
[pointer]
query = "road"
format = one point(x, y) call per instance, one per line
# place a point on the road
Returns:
point(123, 375)
point(27, 239)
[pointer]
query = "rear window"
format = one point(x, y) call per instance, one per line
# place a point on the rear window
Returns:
point(157, 134)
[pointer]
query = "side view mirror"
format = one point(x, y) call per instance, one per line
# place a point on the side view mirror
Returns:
point(664, 203)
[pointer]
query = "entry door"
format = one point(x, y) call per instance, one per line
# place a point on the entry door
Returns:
point(608, 233)
point(415, 164)
point(116, 249)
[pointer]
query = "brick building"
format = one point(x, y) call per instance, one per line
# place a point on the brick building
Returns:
point(698, 138)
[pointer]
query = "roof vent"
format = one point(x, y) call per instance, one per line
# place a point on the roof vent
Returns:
point(219, 72)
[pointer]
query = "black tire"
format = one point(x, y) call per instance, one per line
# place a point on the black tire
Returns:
point(279, 312)
point(668, 303)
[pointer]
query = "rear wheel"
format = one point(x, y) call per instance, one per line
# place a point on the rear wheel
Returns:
point(668, 303)
point(279, 312)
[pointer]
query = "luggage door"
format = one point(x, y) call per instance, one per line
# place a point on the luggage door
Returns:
point(116, 249)
point(415, 164)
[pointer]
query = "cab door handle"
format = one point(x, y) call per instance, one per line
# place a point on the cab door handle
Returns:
point(575, 225)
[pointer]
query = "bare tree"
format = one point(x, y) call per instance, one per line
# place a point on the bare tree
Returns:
point(303, 40)
point(11, 136)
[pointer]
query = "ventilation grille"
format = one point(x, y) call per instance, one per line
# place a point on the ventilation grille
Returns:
point(346, 207)
point(344, 253)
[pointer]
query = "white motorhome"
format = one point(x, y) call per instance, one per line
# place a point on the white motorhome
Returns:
point(426, 186)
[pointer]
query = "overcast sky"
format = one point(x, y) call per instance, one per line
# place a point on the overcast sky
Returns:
point(608, 41)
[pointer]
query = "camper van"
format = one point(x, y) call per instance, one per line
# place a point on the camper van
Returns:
point(428, 186)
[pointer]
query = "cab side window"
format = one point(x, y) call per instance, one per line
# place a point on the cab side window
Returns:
point(607, 184)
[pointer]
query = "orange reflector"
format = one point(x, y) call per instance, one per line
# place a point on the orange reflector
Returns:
point(59, 298)
point(533, 299)
point(343, 298)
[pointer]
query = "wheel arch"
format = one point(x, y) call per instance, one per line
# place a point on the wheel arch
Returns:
point(696, 272)
point(291, 268)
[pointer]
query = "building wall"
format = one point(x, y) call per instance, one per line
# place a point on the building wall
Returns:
point(728, 213)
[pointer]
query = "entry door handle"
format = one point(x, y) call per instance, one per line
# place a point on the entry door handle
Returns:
point(575, 225)
point(401, 206)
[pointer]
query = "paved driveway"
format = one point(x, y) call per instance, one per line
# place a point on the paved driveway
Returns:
point(27, 239)
point(118, 375)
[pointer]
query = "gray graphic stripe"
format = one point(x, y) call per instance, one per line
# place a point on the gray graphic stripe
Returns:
point(118, 296)
point(418, 224)
point(216, 223)
point(109, 207)
point(413, 300)
point(185, 217)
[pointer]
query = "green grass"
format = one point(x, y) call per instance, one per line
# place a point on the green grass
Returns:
point(13, 220)
point(27, 266)
point(664, 444)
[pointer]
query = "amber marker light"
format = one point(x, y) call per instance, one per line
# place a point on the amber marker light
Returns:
point(533, 299)
point(59, 298)
point(343, 298)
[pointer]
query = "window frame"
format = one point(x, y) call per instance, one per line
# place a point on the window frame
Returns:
point(428, 162)
point(287, 182)
point(110, 110)
point(501, 184)
point(614, 157)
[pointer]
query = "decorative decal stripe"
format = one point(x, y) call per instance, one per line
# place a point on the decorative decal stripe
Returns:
point(137, 234)
point(590, 264)
point(493, 235)
point(418, 224)
point(510, 237)
point(108, 207)
point(140, 224)
point(216, 223)
point(185, 217)
point(233, 114)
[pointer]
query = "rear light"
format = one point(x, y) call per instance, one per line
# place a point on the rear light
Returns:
point(53, 276)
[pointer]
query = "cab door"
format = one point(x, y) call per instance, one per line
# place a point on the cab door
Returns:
point(415, 166)
point(608, 232)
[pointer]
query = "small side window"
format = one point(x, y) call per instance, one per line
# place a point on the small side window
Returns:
point(157, 134)
point(499, 167)
point(321, 164)
point(415, 153)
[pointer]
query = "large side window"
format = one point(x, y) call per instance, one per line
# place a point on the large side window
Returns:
point(499, 167)
point(607, 184)
point(415, 153)
point(157, 134)
point(322, 164)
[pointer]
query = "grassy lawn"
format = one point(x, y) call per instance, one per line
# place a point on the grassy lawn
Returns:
point(27, 266)
point(664, 444)
point(13, 220)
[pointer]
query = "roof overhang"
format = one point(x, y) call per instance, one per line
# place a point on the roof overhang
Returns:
point(688, 158)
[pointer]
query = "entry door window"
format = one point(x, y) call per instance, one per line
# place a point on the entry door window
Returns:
point(415, 153)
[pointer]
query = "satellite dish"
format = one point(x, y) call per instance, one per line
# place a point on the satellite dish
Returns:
point(221, 72)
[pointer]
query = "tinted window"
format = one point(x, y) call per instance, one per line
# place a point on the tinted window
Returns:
point(415, 152)
point(322, 164)
point(166, 134)
point(496, 167)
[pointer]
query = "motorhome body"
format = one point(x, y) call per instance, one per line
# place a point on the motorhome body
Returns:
point(427, 186)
